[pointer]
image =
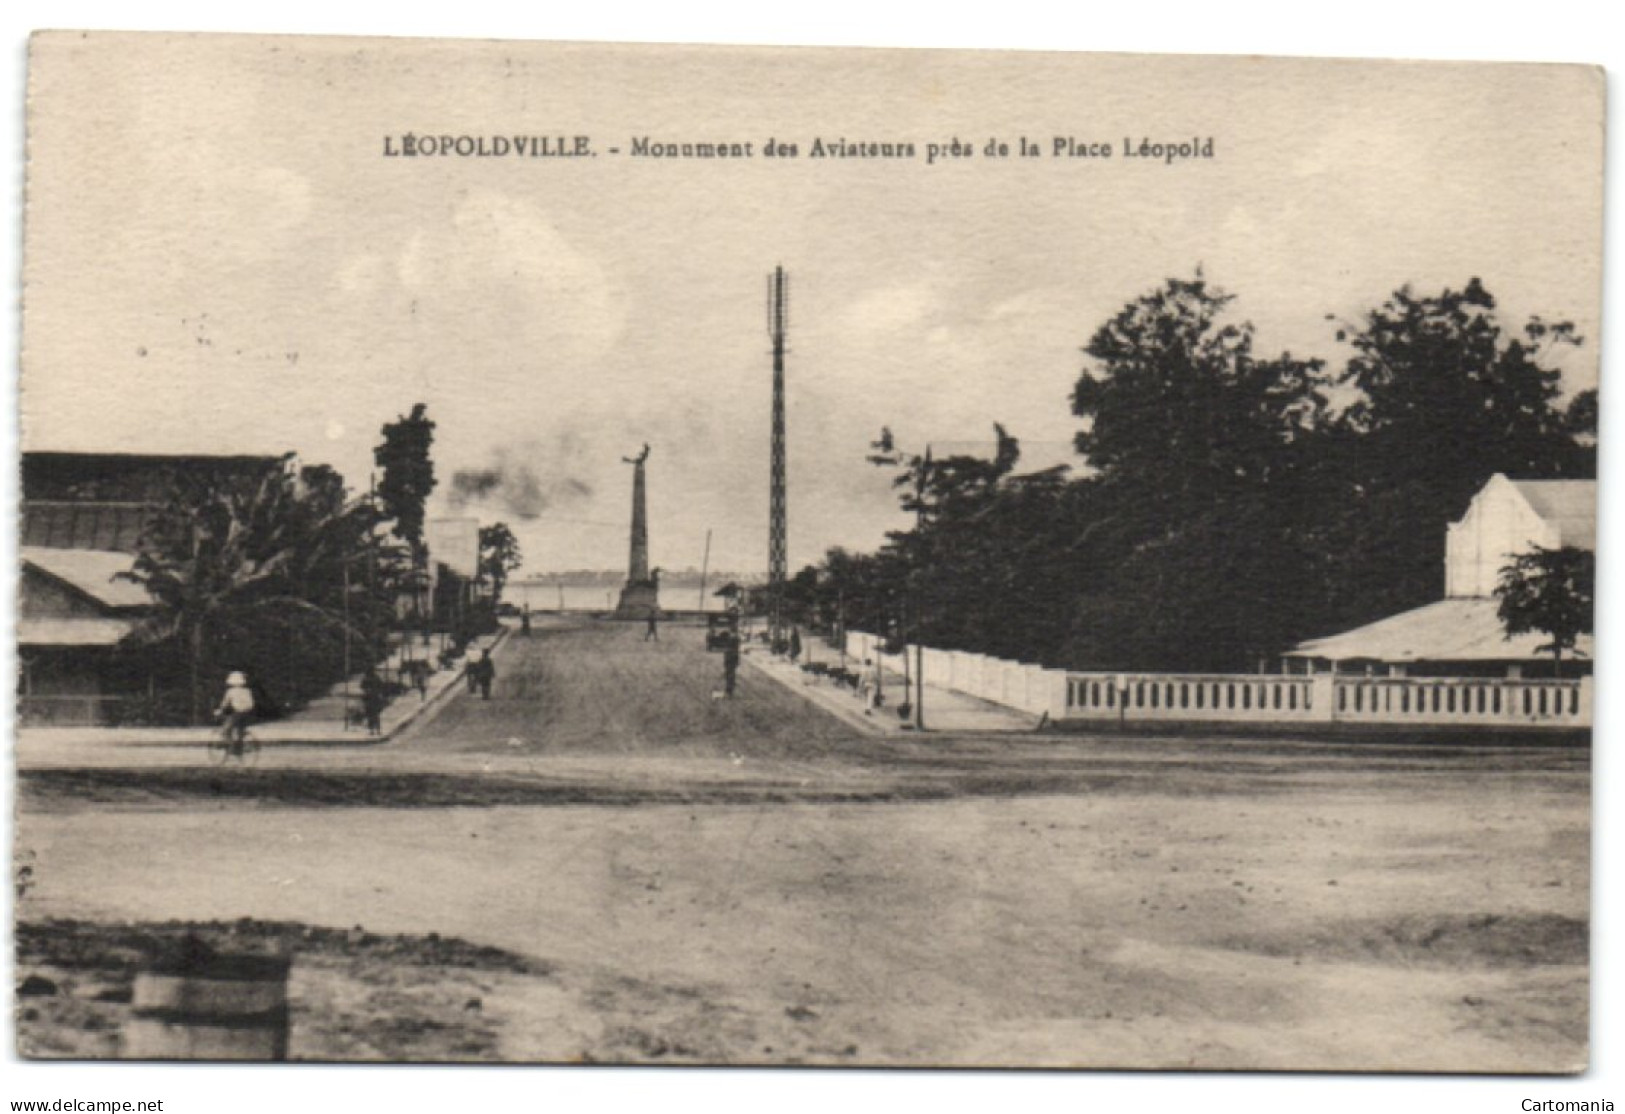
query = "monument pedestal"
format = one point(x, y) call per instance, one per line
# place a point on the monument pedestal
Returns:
point(639, 600)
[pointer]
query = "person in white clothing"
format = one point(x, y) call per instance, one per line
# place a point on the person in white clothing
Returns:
point(236, 707)
point(871, 686)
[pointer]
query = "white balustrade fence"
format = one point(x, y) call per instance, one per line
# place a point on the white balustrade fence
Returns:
point(1441, 700)
point(1219, 698)
point(1245, 698)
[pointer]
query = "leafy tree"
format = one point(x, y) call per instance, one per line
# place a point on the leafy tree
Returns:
point(499, 556)
point(951, 590)
point(1580, 419)
point(408, 473)
point(856, 591)
point(1440, 372)
point(1580, 422)
point(1234, 503)
point(1549, 591)
point(1202, 453)
point(1177, 402)
point(1445, 396)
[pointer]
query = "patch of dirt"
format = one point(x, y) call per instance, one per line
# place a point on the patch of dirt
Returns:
point(45, 790)
point(353, 994)
point(1462, 940)
point(128, 948)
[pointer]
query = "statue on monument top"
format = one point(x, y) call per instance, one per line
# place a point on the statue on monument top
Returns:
point(641, 593)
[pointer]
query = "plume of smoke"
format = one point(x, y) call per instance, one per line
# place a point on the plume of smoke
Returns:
point(512, 483)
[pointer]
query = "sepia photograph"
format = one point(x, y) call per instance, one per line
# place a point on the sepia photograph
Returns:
point(565, 553)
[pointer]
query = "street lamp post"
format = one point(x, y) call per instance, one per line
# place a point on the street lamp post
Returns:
point(919, 646)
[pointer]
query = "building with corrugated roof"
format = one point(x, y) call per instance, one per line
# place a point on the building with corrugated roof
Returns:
point(1462, 633)
point(82, 519)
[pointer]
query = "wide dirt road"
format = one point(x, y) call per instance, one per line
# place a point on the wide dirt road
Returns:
point(750, 883)
point(602, 688)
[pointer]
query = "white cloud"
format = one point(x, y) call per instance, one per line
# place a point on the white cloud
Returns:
point(892, 309)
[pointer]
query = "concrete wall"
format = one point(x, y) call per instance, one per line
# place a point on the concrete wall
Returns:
point(1248, 698)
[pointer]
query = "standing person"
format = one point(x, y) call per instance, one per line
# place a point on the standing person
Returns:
point(524, 621)
point(653, 630)
point(488, 674)
point(872, 680)
point(372, 700)
point(471, 671)
point(730, 664)
point(795, 643)
point(236, 706)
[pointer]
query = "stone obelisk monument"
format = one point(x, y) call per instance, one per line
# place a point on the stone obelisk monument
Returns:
point(641, 594)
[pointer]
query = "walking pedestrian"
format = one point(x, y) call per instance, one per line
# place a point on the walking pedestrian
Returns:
point(795, 643)
point(372, 700)
point(730, 665)
point(653, 630)
point(471, 671)
point(488, 675)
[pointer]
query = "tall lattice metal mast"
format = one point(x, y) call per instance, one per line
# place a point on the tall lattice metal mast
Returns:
point(778, 324)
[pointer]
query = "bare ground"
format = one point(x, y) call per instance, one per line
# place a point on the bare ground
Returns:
point(694, 890)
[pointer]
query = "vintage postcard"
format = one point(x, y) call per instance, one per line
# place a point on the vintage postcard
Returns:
point(544, 553)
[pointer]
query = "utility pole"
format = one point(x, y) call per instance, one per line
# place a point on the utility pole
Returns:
point(919, 646)
point(778, 323)
point(840, 624)
point(705, 567)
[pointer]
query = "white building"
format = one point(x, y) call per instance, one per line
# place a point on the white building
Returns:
point(1462, 632)
point(1510, 517)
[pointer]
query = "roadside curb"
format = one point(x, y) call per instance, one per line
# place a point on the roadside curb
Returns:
point(885, 723)
point(830, 700)
point(426, 712)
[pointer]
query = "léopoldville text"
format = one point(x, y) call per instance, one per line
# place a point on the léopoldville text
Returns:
point(944, 150)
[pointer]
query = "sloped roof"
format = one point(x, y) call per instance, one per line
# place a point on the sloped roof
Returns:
point(76, 525)
point(138, 477)
point(92, 572)
point(72, 632)
point(1569, 505)
point(1450, 630)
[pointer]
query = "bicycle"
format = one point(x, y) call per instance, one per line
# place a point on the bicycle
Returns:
point(234, 742)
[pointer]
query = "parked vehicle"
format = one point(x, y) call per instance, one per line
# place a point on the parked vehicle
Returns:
point(720, 630)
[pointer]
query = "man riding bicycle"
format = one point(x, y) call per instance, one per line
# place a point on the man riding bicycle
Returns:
point(236, 707)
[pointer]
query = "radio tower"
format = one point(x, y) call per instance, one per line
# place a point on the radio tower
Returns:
point(778, 322)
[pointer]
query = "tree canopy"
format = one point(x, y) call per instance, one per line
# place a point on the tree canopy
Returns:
point(1230, 503)
point(499, 556)
point(408, 473)
point(1550, 592)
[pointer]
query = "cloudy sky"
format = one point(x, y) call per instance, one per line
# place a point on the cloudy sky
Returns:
point(220, 258)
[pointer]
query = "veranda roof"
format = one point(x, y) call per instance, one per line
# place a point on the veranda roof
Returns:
point(72, 632)
point(1450, 630)
point(94, 572)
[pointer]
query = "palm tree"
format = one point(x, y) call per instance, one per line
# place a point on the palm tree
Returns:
point(232, 557)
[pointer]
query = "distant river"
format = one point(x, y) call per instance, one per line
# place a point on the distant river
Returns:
point(542, 596)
